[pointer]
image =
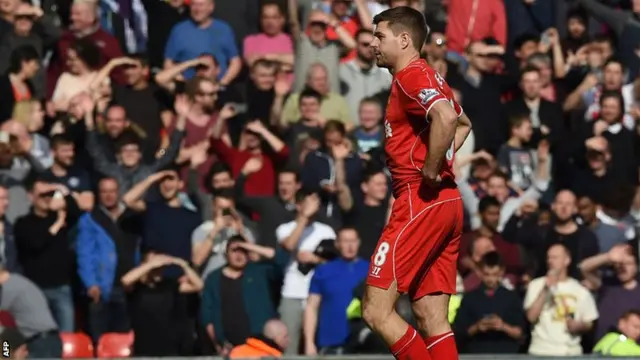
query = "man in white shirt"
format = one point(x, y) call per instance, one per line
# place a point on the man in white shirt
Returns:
point(307, 234)
point(559, 307)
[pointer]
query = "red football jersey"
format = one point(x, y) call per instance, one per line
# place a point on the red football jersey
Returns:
point(415, 89)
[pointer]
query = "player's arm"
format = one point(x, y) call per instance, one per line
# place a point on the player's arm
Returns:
point(463, 129)
point(444, 122)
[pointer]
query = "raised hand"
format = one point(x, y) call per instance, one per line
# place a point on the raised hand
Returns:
point(253, 165)
point(256, 126)
point(227, 112)
point(310, 205)
point(182, 105)
point(282, 85)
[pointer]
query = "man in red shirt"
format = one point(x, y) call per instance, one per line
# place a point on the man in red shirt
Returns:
point(418, 249)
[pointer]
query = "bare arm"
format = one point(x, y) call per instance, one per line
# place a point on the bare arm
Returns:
point(106, 70)
point(444, 121)
point(201, 250)
point(263, 251)
point(84, 199)
point(167, 77)
point(463, 129)
point(275, 115)
point(311, 320)
point(345, 200)
point(133, 197)
point(343, 35)
point(533, 313)
point(574, 100)
point(135, 274)
point(235, 66)
point(294, 24)
point(193, 283)
point(291, 241)
point(366, 20)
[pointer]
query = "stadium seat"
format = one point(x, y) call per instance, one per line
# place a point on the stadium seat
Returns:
point(115, 345)
point(76, 346)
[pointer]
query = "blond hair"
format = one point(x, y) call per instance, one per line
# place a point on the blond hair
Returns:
point(23, 112)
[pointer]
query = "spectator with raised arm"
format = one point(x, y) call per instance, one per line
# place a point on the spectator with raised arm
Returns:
point(236, 301)
point(313, 45)
point(42, 239)
point(209, 240)
point(159, 306)
point(301, 236)
point(166, 224)
point(560, 309)
point(84, 26)
point(332, 106)
point(129, 168)
point(250, 146)
point(106, 249)
point(191, 38)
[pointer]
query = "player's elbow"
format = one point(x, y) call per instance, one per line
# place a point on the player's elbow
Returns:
point(444, 114)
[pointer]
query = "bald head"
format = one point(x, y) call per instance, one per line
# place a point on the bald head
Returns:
point(274, 329)
point(565, 206)
point(318, 78)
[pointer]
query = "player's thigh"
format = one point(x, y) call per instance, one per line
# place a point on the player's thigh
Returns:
point(383, 265)
point(378, 303)
point(438, 271)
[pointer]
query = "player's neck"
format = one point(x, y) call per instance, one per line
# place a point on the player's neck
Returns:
point(404, 61)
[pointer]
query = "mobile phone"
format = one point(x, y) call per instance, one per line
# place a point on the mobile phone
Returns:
point(4, 137)
point(226, 212)
point(545, 40)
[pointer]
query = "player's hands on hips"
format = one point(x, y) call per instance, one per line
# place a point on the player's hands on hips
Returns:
point(432, 179)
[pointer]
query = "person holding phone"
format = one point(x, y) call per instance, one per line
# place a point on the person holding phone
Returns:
point(209, 240)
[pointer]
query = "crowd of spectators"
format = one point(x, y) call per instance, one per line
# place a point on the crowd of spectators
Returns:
point(210, 174)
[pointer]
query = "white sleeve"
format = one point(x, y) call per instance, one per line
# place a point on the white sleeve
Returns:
point(587, 308)
point(533, 291)
point(282, 232)
point(324, 232)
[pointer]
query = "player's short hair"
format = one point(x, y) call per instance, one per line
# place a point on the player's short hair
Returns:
point(406, 19)
point(487, 202)
point(491, 260)
point(529, 69)
point(517, 120)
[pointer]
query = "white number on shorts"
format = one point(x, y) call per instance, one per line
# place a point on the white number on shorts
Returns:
point(381, 255)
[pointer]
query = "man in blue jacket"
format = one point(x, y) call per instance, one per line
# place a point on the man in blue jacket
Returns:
point(106, 250)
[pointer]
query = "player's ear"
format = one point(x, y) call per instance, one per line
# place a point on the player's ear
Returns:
point(405, 40)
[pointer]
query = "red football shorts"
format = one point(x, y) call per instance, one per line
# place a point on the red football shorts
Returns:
point(419, 246)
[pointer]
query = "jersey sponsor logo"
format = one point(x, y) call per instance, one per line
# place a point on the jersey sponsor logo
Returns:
point(427, 95)
point(388, 132)
point(439, 79)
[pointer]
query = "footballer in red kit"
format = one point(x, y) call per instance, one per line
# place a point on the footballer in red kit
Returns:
point(417, 252)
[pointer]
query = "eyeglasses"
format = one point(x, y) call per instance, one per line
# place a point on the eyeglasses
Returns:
point(440, 42)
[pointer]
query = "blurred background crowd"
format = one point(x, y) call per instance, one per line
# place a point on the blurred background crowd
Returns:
point(198, 177)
